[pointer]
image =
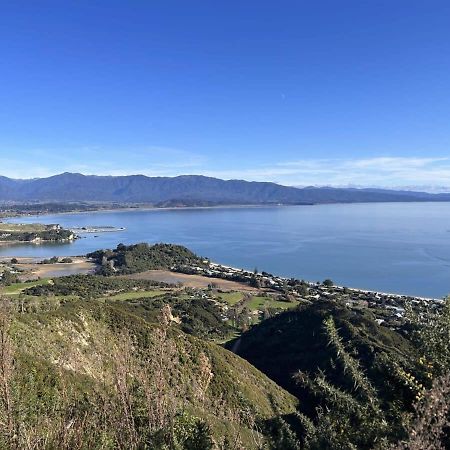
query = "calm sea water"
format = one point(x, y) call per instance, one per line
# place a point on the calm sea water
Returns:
point(396, 247)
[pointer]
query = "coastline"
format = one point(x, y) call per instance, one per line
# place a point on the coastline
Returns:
point(397, 288)
point(32, 264)
point(227, 206)
point(352, 289)
point(40, 242)
point(153, 208)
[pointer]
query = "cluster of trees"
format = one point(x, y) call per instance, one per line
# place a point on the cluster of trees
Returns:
point(45, 235)
point(8, 278)
point(89, 286)
point(141, 257)
point(194, 315)
point(55, 260)
point(51, 208)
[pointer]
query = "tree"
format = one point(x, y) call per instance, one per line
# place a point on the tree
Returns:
point(328, 283)
point(303, 290)
point(254, 282)
point(9, 278)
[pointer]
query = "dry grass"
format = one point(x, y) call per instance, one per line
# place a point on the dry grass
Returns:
point(142, 395)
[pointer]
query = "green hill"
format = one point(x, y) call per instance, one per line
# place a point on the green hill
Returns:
point(91, 374)
point(141, 257)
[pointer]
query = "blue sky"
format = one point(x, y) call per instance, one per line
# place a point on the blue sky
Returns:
point(297, 92)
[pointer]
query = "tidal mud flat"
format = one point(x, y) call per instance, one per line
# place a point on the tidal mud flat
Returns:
point(32, 268)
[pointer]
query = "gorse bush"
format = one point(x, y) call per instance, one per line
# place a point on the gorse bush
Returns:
point(359, 384)
point(348, 414)
point(431, 334)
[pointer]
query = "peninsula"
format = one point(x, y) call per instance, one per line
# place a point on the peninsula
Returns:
point(34, 233)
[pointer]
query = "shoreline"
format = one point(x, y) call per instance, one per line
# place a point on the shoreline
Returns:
point(7, 246)
point(353, 289)
point(226, 206)
point(156, 208)
point(82, 259)
point(64, 241)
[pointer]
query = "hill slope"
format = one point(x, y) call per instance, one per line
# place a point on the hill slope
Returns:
point(355, 379)
point(190, 190)
point(89, 374)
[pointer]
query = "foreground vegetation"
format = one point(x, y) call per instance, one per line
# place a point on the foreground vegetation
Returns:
point(85, 374)
point(359, 383)
point(109, 362)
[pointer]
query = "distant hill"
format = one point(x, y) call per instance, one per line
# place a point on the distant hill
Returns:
point(188, 190)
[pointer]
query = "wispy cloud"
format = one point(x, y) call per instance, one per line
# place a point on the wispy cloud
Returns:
point(380, 171)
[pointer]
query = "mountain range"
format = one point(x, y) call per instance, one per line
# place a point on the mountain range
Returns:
point(189, 190)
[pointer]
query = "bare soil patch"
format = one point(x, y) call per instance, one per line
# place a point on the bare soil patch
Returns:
point(194, 281)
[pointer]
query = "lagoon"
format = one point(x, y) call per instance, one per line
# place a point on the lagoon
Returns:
point(386, 247)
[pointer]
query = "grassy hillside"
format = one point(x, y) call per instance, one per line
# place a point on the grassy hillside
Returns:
point(94, 374)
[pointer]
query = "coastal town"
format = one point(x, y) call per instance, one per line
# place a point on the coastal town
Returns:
point(389, 308)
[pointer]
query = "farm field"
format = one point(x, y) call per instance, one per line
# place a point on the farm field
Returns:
point(17, 288)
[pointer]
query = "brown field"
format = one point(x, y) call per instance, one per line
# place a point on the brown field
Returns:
point(194, 281)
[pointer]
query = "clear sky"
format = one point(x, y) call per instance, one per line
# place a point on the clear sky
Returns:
point(297, 92)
